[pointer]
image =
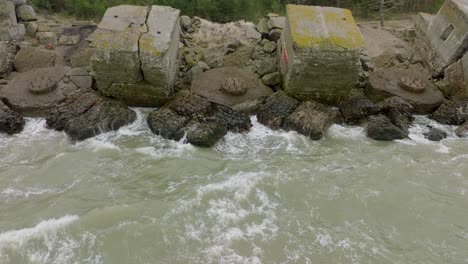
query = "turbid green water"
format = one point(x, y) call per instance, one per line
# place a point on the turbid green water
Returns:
point(263, 197)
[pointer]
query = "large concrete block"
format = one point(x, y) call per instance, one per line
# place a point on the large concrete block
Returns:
point(135, 53)
point(320, 50)
point(444, 36)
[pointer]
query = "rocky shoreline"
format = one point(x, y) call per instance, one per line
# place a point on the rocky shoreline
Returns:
point(205, 79)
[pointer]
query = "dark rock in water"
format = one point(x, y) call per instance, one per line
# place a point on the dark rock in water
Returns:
point(311, 119)
point(276, 108)
point(233, 120)
point(452, 112)
point(357, 109)
point(435, 134)
point(187, 104)
point(202, 134)
point(462, 131)
point(10, 121)
point(399, 111)
point(86, 114)
point(165, 122)
point(381, 128)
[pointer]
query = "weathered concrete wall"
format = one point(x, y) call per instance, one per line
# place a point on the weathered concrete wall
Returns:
point(320, 50)
point(135, 54)
point(443, 38)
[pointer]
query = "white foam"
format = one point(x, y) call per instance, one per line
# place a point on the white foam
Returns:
point(19, 237)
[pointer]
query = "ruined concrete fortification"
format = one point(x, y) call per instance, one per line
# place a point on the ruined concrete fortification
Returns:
point(135, 54)
point(320, 51)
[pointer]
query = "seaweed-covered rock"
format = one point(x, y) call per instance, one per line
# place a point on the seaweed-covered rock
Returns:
point(86, 114)
point(202, 134)
point(233, 120)
point(311, 119)
point(452, 112)
point(165, 122)
point(276, 108)
point(10, 121)
point(381, 128)
point(357, 108)
point(399, 111)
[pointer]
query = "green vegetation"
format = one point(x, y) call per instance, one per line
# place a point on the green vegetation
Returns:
point(229, 10)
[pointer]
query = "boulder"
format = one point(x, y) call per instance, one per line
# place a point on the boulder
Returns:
point(87, 114)
point(9, 27)
point(239, 58)
point(233, 120)
point(250, 107)
point(452, 112)
point(29, 58)
point(262, 27)
point(276, 22)
point(19, 2)
point(382, 129)
point(210, 86)
point(398, 111)
point(265, 66)
point(37, 92)
point(311, 119)
point(275, 35)
point(26, 13)
point(185, 22)
point(462, 131)
point(190, 105)
point(275, 109)
point(31, 29)
point(269, 47)
point(10, 121)
point(202, 134)
point(357, 109)
point(165, 122)
point(385, 83)
point(271, 79)
point(435, 134)
point(7, 56)
point(48, 38)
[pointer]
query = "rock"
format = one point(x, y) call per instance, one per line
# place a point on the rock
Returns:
point(385, 83)
point(77, 72)
point(7, 56)
point(192, 56)
point(277, 22)
point(187, 104)
point(269, 47)
point(398, 111)
point(140, 67)
point(29, 58)
point(462, 131)
point(275, 35)
point(82, 82)
point(10, 121)
point(69, 39)
point(275, 109)
point(311, 119)
point(265, 66)
point(35, 93)
point(9, 27)
point(210, 83)
point(251, 33)
point(185, 22)
point(202, 134)
point(233, 120)
point(357, 109)
point(271, 79)
point(368, 66)
point(239, 58)
point(166, 123)
point(31, 29)
point(250, 107)
point(435, 134)
point(234, 86)
point(87, 114)
point(381, 128)
point(47, 38)
point(26, 13)
point(19, 2)
point(232, 46)
point(262, 27)
point(452, 112)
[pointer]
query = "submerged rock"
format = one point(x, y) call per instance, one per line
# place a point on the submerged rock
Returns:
point(435, 134)
point(357, 108)
point(452, 112)
point(10, 121)
point(275, 109)
point(311, 119)
point(381, 128)
point(87, 114)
